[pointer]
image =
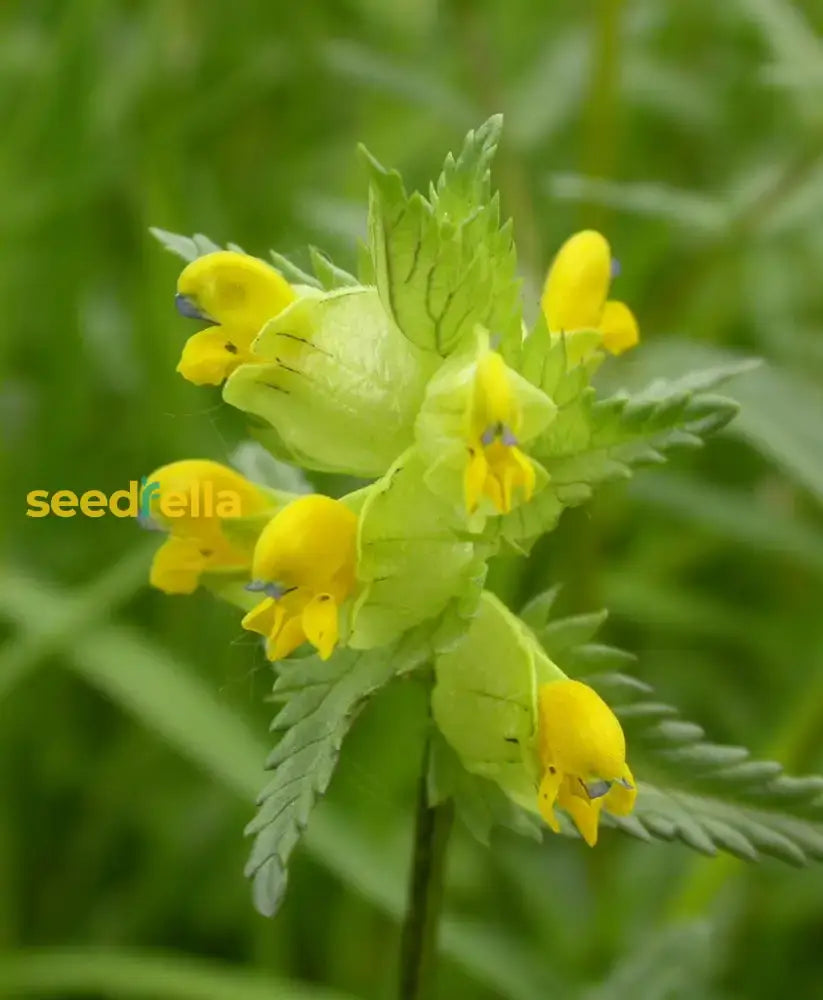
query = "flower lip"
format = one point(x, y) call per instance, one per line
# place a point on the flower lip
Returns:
point(188, 307)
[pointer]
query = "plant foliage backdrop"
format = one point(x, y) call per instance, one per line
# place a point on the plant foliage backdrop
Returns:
point(133, 726)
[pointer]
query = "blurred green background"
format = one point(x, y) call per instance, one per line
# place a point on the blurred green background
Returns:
point(133, 726)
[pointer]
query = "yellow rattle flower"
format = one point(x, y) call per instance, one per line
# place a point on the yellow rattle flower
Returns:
point(190, 500)
point(582, 754)
point(576, 290)
point(304, 563)
point(496, 466)
point(235, 293)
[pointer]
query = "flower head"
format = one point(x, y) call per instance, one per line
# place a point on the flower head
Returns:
point(304, 563)
point(576, 290)
point(192, 500)
point(582, 754)
point(237, 295)
point(496, 467)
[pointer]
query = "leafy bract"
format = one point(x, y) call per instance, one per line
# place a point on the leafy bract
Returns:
point(444, 264)
point(321, 699)
point(592, 440)
point(412, 559)
point(187, 247)
point(485, 697)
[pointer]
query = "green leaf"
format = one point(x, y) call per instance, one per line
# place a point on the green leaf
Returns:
point(479, 803)
point(187, 247)
point(781, 411)
point(291, 272)
point(329, 274)
point(672, 964)
point(446, 264)
point(322, 699)
point(592, 441)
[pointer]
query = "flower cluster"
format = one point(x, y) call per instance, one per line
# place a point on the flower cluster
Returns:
point(430, 399)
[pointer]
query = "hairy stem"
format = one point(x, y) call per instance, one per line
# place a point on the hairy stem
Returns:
point(418, 947)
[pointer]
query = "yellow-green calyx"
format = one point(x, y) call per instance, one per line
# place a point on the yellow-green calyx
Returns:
point(304, 563)
point(192, 500)
point(496, 467)
point(582, 754)
point(237, 295)
point(575, 295)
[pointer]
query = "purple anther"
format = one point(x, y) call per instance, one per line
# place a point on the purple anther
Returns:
point(508, 438)
point(273, 590)
point(488, 436)
point(188, 308)
point(597, 789)
point(615, 268)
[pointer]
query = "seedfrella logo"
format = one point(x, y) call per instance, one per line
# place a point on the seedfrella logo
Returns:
point(201, 500)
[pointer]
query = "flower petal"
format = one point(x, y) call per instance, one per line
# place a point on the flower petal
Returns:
point(211, 356)
point(238, 291)
point(547, 796)
point(288, 638)
point(618, 327)
point(177, 566)
point(262, 618)
point(584, 812)
point(320, 624)
point(474, 477)
point(620, 799)
point(577, 283)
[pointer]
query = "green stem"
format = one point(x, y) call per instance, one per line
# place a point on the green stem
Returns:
point(418, 947)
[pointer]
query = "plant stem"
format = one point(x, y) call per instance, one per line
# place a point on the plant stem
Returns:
point(418, 946)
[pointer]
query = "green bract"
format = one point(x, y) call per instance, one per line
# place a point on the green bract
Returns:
point(339, 384)
point(485, 698)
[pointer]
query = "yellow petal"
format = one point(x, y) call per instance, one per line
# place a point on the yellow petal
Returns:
point(578, 732)
point(619, 799)
point(177, 566)
point(288, 638)
point(584, 812)
point(526, 477)
point(493, 401)
point(547, 795)
point(262, 618)
point(211, 356)
point(310, 544)
point(320, 624)
point(578, 283)
point(619, 327)
point(237, 291)
point(474, 477)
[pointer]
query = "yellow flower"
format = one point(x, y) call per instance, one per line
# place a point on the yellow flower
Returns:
point(304, 563)
point(236, 293)
point(583, 757)
point(576, 290)
point(190, 500)
point(496, 465)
